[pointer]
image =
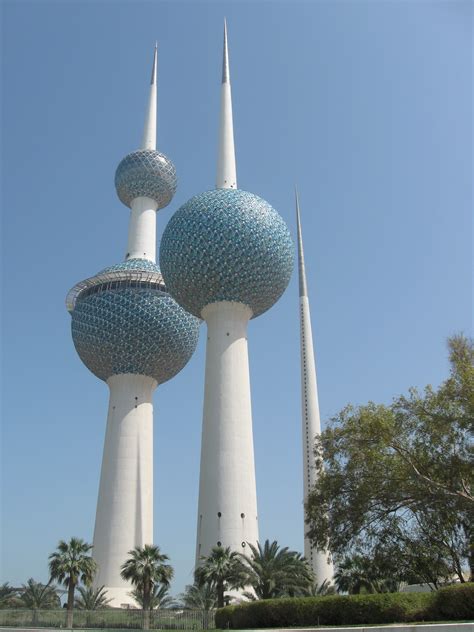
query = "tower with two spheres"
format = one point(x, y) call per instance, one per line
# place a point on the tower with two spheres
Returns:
point(132, 334)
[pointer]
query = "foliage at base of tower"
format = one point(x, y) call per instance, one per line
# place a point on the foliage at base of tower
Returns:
point(273, 571)
point(397, 481)
point(197, 597)
point(221, 570)
point(453, 603)
point(71, 564)
point(146, 568)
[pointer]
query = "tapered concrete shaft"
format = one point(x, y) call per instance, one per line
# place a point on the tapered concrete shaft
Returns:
point(124, 517)
point(320, 560)
point(227, 511)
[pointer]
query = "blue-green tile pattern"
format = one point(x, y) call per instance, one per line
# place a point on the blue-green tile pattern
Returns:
point(147, 173)
point(132, 264)
point(135, 329)
point(226, 245)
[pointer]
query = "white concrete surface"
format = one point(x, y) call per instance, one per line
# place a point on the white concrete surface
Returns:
point(320, 561)
point(226, 170)
point(149, 130)
point(124, 516)
point(142, 229)
point(227, 511)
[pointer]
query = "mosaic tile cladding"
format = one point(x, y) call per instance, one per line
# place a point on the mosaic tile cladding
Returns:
point(226, 245)
point(146, 173)
point(133, 329)
point(133, 264)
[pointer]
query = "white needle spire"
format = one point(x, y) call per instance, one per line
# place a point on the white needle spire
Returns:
point(149, 131)
point(226, 171)
point(320, 561)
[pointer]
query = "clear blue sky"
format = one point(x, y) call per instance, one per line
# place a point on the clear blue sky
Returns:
point(365, 105)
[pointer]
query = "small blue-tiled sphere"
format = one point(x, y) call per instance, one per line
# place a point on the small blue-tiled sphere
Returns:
point(126, 325)
point(226, 245)
point(146, 173)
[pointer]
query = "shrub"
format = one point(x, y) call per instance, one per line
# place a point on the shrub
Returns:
point(454, 602)
point(328, 610)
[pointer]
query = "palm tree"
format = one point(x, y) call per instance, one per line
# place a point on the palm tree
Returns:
point(355, 574)
point(145, 568)
point(160, 597)
point(199, 597)
point(69, 565)
point(325, 588)
point(223, 569)
point(275, 572)
point(92, 598)
point(37, 596)
point(7, 595)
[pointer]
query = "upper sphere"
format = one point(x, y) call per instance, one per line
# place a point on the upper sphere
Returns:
point(226, 245)
point(146, 173)
point(126, 322)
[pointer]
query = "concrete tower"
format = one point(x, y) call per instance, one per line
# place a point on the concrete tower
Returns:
point(130, 333)
point(227, 257)
point(319, 561)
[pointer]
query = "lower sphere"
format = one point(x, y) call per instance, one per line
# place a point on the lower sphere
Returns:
point(133, 330)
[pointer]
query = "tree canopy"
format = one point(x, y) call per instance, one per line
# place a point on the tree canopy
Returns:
point(38, 596)
point(397, 481)
point(91, 598)
point(223, 570)
point(199, 597)
point(146, 567)
point(71, 564)
point(276, 572)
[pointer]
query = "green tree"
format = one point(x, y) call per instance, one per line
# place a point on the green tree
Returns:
point(145, 568)
point(276, 572)
point(391, 472)
point(355, 575)
point(325, 588)
point(69, 565)
point(37, 596)
point(199, 597)
point(7, 595)
point(159, 598)
point(222, 569)
point(91, 598)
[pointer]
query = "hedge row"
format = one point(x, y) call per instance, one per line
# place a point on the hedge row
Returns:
point(451, 603)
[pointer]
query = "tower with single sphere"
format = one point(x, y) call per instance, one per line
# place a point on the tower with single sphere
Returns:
point(320, 561)
point(132, 334)
point(226, 256)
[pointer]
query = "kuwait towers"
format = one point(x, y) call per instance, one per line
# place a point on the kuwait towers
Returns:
point(319, 561)
point(227, 257)
point(130, 333)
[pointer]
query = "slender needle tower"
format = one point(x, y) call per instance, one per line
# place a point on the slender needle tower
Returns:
point(320, 561)
point(130, 333)
point(226, 256)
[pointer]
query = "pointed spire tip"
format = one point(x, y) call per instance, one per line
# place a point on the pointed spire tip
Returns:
point(225, 57)
point(301, 266)
point(153, 70)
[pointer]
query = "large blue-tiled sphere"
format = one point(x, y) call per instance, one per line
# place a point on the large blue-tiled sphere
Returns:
point(146, 173)
point(127, 325)
point(226, 245)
